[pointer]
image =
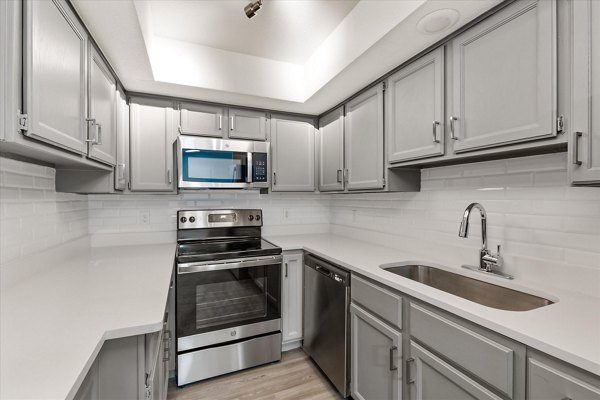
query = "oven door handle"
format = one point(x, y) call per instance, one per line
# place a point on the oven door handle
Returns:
point(230, 264)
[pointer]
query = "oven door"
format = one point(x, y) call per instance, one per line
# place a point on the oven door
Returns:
point(227, 300)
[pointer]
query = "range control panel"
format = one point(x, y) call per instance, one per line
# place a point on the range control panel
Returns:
point(197, 219)
point(259, 167)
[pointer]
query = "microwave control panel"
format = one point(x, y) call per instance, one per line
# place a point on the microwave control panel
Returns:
point(259, 167)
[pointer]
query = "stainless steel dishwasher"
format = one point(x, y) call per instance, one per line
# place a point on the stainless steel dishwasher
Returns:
point(326, 320)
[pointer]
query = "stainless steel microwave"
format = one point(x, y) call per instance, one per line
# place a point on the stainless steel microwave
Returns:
point(206, 163)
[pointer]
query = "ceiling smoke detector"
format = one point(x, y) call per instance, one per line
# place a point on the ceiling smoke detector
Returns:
point(252, 8)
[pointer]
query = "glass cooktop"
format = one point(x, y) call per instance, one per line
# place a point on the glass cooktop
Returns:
point(221, 249)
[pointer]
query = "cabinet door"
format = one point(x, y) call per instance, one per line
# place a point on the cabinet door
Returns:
point(293, 147)
point(122, 167)
point(504, 78)
point(151, 145)
point(331, 151)
point(202, 120)
point(55, 75)
point(585, 139)
point(376, 352)
point(415, 109)
point(102, 127)
point(364, 141)
point(247, 124)
point(292, 297)
point(434, 379)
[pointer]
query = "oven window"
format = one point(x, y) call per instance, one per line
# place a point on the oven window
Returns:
point(214, 166)
point(239, 295)
point(220, 299)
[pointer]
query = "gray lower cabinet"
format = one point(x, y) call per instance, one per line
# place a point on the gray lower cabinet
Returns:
point(291, 299)
point(415, 109)
point(202, 119)
point(330, 139)
point(432, 378)
point(102, 116)
point(292, 154)
point(376, 357)
point(505, 78)
point(152, 136)
point(492, 360)
point(550, 379)
point(247, 124)
point(585, 137)
point(55, 75)
point(363, 147)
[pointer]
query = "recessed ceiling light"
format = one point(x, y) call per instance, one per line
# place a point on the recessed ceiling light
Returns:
point(438, 21)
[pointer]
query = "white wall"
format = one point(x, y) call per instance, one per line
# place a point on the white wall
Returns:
point(549, 232)
point(33, 216)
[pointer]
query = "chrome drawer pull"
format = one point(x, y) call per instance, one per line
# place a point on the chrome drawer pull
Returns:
point(576, 136)
point(392, 366)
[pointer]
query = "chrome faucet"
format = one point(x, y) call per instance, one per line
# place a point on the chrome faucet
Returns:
point(487, 260)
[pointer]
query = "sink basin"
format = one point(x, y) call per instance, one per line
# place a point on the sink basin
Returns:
point(480, 292)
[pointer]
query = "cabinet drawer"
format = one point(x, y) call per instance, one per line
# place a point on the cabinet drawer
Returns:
point(549, 383)
point(486, 359)
point(377, 299)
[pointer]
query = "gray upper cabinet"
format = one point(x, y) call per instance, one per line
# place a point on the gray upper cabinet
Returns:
point(585, 139)
point(415, 109)
point(293, 154)
point(247, 124)
point(364, 140)
point(55, 75)
point(331, 151)
point(376, 361)
point(433, 378)
point(504, 78)
point(102, 117)
point(122, 167)
point(151, 145)
point(202, 120)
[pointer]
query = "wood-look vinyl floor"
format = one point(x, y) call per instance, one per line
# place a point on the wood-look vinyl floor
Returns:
point(294, 378)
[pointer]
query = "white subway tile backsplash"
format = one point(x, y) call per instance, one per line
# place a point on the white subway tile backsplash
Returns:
point(33, 216)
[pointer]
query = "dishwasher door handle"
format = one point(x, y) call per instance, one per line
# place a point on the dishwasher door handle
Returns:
point(323, 270)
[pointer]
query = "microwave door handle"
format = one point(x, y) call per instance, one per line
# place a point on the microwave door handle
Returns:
point(249, 168)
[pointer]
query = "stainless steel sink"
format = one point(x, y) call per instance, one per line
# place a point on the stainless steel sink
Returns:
point(480, 292)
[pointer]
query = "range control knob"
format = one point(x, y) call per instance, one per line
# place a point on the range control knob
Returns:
point(183, 220)
point(192, 219)
point(250, 217)
point(258, 217)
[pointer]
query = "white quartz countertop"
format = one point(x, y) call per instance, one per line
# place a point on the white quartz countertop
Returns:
point(568, 329)
point(54, 322)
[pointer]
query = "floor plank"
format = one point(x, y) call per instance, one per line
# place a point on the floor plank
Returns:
point(294, 378)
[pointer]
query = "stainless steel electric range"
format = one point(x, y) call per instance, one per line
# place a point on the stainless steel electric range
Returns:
point(228, 293)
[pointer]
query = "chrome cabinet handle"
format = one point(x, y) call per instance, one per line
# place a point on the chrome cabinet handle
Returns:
point(98, 134)
point(169, 177)
point(576, 136)
point(392, 366)
point(346, 175)
point(408, 379)
point(435, 139)
point(220, 122)
point(274, 178)
point(231, 126)
point(452, 135)
point(340, 175)
point(286, 270)
point(93, 121)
